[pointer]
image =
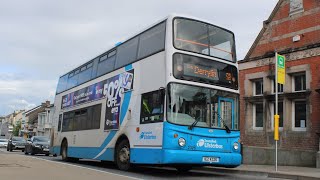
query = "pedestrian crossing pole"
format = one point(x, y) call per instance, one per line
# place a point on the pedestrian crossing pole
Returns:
point(279, 79)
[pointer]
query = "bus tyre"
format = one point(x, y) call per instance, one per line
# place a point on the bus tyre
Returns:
point(122, 158)
point(64, 151)
point(183, 168)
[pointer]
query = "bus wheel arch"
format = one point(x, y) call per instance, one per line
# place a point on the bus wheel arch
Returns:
point(122, 153)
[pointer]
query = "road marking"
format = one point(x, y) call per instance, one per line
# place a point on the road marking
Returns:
point(81, 167)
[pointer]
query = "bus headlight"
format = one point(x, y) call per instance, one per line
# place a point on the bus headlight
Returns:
point(235, 146)
point(181, 142)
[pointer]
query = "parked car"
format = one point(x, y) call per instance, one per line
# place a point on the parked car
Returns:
point(16, 143)
point(3, 143)
point(38, 145)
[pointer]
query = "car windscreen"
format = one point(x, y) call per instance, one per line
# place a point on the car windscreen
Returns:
point(17, 139)
point(41, 139)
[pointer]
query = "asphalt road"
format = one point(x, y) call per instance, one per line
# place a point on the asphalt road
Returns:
point(142, 172)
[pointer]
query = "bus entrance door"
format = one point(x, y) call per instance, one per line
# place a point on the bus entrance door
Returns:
point(226, 112)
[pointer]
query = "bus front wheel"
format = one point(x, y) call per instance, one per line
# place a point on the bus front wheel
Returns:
point(122, 158)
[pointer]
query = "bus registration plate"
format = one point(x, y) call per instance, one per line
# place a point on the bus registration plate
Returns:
point(210, 159)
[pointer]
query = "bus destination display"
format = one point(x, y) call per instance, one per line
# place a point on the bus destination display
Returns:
point(201, 71)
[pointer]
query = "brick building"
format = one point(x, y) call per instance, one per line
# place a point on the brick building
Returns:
point(293, 30)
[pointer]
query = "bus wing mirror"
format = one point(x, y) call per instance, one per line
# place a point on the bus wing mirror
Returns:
point(161, 94)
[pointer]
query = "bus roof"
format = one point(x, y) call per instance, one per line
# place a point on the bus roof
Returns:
point(170, 17)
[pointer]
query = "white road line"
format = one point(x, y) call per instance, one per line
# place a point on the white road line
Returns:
point(82, 167)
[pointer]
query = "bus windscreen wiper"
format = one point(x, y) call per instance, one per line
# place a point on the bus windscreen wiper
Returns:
point(194, 123)
point(223, 123)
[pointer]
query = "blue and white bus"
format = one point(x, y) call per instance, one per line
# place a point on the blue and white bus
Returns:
point(167, 96)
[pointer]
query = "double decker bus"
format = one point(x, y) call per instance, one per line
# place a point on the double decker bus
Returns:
point(167, 96)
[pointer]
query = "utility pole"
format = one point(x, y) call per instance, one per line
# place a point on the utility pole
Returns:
point(280, 74)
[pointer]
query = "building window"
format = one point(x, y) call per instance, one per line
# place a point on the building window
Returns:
point(280, 87)
point(258, 87)
point(299, 82)
point(299, 115)
point(258, 116)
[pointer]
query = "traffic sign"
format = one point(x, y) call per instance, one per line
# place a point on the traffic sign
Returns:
point(281, 74)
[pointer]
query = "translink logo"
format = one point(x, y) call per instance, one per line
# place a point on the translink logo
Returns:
point(209, 143)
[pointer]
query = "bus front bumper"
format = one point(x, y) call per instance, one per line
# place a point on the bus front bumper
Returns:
point(201, 158)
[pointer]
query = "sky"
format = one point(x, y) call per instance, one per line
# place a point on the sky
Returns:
point(40, 40)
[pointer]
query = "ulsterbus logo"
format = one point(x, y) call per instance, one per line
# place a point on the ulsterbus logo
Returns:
point(147, 135)
point(209, 143)
point(200, 143)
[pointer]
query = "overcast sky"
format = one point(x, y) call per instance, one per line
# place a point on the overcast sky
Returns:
point(41, 40)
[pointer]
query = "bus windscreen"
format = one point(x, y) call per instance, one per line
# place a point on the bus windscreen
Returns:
point(195, 36)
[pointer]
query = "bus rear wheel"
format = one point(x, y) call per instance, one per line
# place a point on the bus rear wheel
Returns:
point(122, 158)
point(64, 151)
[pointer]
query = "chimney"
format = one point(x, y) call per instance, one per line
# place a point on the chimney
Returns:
point(45, 104)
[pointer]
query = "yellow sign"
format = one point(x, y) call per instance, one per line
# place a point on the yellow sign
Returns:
point(281, 74)
point(276, 127)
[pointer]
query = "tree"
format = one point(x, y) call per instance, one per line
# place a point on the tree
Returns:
point(16, 129)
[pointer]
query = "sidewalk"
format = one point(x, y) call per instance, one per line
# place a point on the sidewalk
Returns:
point(18, 167)
point(285, 172)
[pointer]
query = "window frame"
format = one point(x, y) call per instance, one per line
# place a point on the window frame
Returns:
point(71, 74)
point(273, 88)
point(208, 24)
point(103, 57)
point(80, 115)
point(161, 114)
point(254, 118)
point(294, 82)
point(293, 115)
point(254, 87)
point(77, 71)
point(164, 40)
point(272, 105)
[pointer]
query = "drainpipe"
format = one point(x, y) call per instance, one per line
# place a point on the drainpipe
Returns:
point(318, 154)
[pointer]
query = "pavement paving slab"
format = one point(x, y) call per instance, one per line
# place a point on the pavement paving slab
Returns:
point(17, 167)
point(286, 172)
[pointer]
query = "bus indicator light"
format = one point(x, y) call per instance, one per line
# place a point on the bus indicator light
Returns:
point(137, 129)
point(175, 135)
